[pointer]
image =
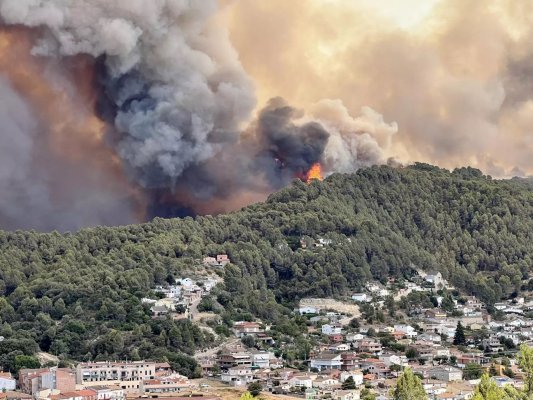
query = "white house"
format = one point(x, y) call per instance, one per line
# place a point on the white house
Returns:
point(394, 359)
point(308, 310)
point(331, 329)
point(326, 361)
point(446, 373)
point(354, 337)
point(237, 376)
point(7, 382)
point(261, 359)
point(362, 297)
point(356, 374)
point(305, 381)
point(435, 278)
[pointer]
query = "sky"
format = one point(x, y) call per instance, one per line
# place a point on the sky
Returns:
point(455, 75)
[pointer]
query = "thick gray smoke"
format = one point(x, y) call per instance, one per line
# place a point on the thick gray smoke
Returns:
point(177, 86)
point(173, 90)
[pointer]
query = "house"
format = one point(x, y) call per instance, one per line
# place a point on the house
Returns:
point(326, 382)
point(308, 310)
point(349, 361)
point(219, 261)
point(32, 381)
point(126, 374)
point(346, 395)
point(446, 374)
point(159, 311)
point(109, 392)
point(332, 329)
point(243, 328)
point(234, 357)
point(326, 361)
point(354, 337)
point(355, 374)
point(222, 259)
point(393, 359)
point(336, 338)
point(164, 385)
point(261, 359)
point(369, 346)
point(435, 278)
point(302, 381)
point(435, 314)
point(237, 376)
point(362, 297)
point(7, 382)
point(340, 347)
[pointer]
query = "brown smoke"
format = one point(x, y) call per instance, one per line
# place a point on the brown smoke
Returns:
point(67, 177)
point(459, 84)
point(115, 111)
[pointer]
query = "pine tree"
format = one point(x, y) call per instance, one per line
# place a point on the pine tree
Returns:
point(459, 338)
point(348, 384)
point(409, 387)
point(488, 390)
point(525, 361)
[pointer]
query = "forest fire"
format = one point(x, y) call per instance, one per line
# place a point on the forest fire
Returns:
point(314, 173)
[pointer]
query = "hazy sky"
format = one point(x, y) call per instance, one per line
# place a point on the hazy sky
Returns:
point(456, 75)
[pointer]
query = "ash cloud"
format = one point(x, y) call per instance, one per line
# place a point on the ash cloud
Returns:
point(459, 84)
point(179, 106)
point(40, 191)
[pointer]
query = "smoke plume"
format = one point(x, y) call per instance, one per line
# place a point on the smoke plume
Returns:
point(457, 77)
point(158, 120)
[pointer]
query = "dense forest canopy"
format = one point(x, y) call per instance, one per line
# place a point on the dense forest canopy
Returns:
point(77, 295)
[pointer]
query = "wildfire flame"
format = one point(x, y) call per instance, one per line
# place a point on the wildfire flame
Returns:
point(314, 173)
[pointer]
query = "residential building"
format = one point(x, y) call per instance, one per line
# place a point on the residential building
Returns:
point(7, 382)
point(356, 374)
point(234, 357)
point(326, 361)
point(128, 375)
point(164, 385)
point(109, 392)
point(362, 297)
point(332, 329)
point(32, 381)
point(446, 373)
point(302, 381)
point(237, 376)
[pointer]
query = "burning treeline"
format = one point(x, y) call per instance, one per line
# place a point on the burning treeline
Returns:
point(123, 110)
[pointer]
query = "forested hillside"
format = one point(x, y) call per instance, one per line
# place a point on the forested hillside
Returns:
point(78, 295)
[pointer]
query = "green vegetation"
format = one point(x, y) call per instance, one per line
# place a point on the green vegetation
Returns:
point(408, 387)
point(78, 295)
point(459, 338)
point(489, 390)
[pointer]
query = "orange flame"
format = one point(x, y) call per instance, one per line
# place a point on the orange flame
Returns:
point(314, 173)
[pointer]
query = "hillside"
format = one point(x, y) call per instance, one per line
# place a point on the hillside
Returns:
point(78, 295)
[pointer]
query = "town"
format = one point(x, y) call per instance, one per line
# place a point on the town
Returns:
point(353, 347)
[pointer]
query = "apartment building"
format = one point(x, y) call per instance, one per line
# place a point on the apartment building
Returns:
point(32, 381)
point(127, 375)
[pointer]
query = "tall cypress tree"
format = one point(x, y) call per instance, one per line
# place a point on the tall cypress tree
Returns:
point(459, 338)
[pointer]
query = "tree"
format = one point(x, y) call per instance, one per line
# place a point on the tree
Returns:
point(22, 361)
point(248, 341)
point(488, 390)
point(472, 371)
point(349, 384)
point(255, 388)
point(459, 338)
point(408, 387)
point(366, 394)
point(246, 396)
point(411, 353)
point(525, 361)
